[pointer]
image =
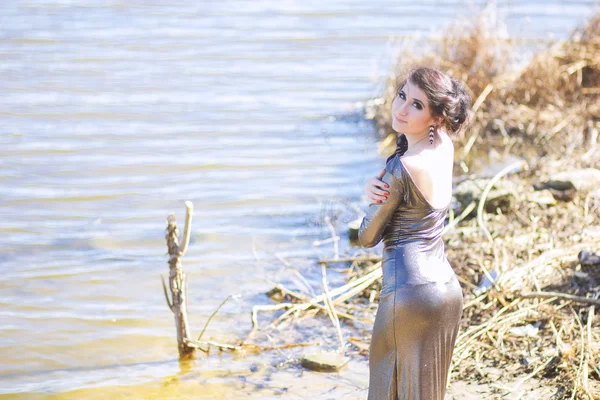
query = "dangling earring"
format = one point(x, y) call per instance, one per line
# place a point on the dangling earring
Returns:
point(431, 134)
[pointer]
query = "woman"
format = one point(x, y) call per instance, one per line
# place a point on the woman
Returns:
point(421, 299)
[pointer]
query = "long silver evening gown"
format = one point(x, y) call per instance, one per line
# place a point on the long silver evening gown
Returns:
point(421, 299)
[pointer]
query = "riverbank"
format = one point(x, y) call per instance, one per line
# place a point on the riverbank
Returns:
point(524, 228)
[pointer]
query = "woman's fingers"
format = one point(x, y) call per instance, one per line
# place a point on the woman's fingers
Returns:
point(375, 189)
point(377, 198)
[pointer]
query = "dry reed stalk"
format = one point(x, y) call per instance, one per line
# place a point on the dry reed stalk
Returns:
point(288, 265)
point(308, 303)
point(582, 368)
point(352, 259)
point(331, 309)
point(557, 295)
point(458, 219)
point(485, 193)
point(495, 322)
point(334, 237)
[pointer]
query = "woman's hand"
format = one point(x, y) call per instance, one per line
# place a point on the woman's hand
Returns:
point(375, 188)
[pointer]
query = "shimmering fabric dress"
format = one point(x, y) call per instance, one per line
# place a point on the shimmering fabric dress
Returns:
point(421, 300)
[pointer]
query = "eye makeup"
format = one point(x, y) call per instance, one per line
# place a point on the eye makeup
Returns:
point(418, 104)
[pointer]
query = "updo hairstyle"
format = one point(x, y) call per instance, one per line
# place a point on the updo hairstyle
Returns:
point(447, 96)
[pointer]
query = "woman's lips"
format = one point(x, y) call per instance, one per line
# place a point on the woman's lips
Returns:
point(399, 120)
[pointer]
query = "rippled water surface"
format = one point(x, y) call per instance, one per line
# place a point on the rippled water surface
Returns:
point(114, 113)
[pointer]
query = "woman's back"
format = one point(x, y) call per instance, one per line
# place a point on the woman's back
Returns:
point(417, 205)
point(431, 172)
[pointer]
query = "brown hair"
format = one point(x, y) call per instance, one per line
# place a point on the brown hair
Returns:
point(447, 97)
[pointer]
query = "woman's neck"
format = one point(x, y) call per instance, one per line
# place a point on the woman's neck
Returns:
point(413, 140)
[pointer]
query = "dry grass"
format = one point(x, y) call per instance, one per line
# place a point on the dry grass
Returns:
point(548, 106)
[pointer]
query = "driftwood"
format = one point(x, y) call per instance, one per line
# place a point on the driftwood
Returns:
point(177, 302)
point(178, 281)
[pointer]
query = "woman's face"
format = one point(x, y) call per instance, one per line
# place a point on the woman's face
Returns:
point(411, 114)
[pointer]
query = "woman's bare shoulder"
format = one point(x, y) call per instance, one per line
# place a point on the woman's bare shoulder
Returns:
point(428, 161)
point(432, 172)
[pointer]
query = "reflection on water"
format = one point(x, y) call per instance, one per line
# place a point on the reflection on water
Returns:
point(114, 115)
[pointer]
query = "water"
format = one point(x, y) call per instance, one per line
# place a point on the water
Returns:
point(115, 113)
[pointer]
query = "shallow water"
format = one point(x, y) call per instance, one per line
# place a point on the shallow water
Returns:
point(115, 113)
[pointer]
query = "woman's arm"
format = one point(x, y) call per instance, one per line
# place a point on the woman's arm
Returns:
point(378, 215)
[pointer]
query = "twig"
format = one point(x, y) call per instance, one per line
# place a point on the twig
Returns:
point(331, 309)
point(588, 349)
point(274, 307)
point(188, 227)
point(485, 193)
point(334, 237)
point(360, 287)
point(559, 295)
point(456, 220)
point(348, 259)
point(212, 315)
point(488, 89)
point(314, 302)
point(581, 358)
point(164, 285)
point(474, 301)
point(534, 372)
point(294, 270)
point(484, 94)
point(283, 346)
point(556, 129)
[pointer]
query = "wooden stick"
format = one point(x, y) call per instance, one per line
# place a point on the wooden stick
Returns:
point(565, 296)
point(177, 280)
point(243, 345)
point(348, 259)
point(188, 227)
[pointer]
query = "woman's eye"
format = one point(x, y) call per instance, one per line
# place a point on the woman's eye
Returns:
point(403, 97)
